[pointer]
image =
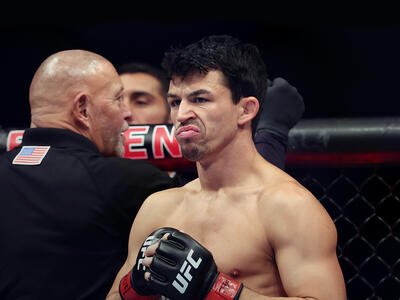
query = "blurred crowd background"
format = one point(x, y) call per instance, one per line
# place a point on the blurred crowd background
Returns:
point(343, 66)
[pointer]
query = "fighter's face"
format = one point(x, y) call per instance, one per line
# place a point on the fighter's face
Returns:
point(144, 98)
point(203, 114)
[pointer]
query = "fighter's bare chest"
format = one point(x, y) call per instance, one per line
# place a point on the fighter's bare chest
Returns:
point(231, 230)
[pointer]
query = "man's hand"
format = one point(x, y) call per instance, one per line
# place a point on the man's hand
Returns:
point(283, 108)
point(133, 285)
point(180, 268)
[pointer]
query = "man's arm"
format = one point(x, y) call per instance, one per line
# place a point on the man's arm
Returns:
point(283, 108)
point(133, 249)
point(304, 240)
point(141, 228)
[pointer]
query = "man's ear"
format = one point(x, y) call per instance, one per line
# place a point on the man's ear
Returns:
point(249, 107)
point(80, 112)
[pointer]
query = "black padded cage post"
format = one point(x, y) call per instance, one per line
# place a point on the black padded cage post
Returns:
point(353, 167)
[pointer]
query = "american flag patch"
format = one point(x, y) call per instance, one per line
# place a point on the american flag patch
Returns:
point(31, 155)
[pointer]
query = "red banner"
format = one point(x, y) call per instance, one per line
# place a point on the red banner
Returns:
point(156, 143)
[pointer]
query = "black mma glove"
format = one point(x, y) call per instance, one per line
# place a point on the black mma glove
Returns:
point(133, 286)
point(184, 269)
point(283, 108)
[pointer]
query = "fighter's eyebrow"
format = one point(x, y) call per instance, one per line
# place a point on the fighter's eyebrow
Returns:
point(199, 92)
point(194, 93)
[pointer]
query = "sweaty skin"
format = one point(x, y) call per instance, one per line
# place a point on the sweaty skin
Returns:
point(263, 228)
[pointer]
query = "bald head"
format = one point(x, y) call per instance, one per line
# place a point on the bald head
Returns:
point(81, 91)
point(59, 79)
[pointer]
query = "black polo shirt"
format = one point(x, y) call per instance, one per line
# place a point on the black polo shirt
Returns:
point(65, 222)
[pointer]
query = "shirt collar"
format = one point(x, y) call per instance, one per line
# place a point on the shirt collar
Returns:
point(57, 137)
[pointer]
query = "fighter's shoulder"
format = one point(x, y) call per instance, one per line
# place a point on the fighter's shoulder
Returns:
point(172, 194)
point(168, 198)
point(288, 208)
point(287, 195)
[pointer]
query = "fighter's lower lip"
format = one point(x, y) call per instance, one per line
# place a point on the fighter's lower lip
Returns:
point(187, 133)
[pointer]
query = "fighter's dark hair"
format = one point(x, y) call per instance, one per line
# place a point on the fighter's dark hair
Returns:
point(241, 63)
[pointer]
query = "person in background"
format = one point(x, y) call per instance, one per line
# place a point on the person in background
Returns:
point(145, 93)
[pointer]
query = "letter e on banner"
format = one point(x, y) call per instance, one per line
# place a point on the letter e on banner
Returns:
point(135, 139)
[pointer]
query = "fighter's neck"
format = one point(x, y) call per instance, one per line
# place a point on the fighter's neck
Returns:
point(230, 167)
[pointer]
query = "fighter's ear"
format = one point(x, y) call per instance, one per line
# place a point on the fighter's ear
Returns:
point(248, 109)
point(79, 110)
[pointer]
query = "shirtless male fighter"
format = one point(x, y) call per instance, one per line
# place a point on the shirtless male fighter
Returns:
point(244, 229)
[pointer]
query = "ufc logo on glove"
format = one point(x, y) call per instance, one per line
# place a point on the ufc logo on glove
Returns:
point(185, 270)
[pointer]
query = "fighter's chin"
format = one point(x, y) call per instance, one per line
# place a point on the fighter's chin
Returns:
point(192, 153)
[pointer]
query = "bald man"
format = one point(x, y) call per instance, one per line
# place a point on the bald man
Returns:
point(68, 198)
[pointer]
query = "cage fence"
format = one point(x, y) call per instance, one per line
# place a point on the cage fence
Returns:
point(352, 166)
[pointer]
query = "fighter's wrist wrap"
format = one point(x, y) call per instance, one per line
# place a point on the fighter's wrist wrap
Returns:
point(225, 288)
point(126, 290)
